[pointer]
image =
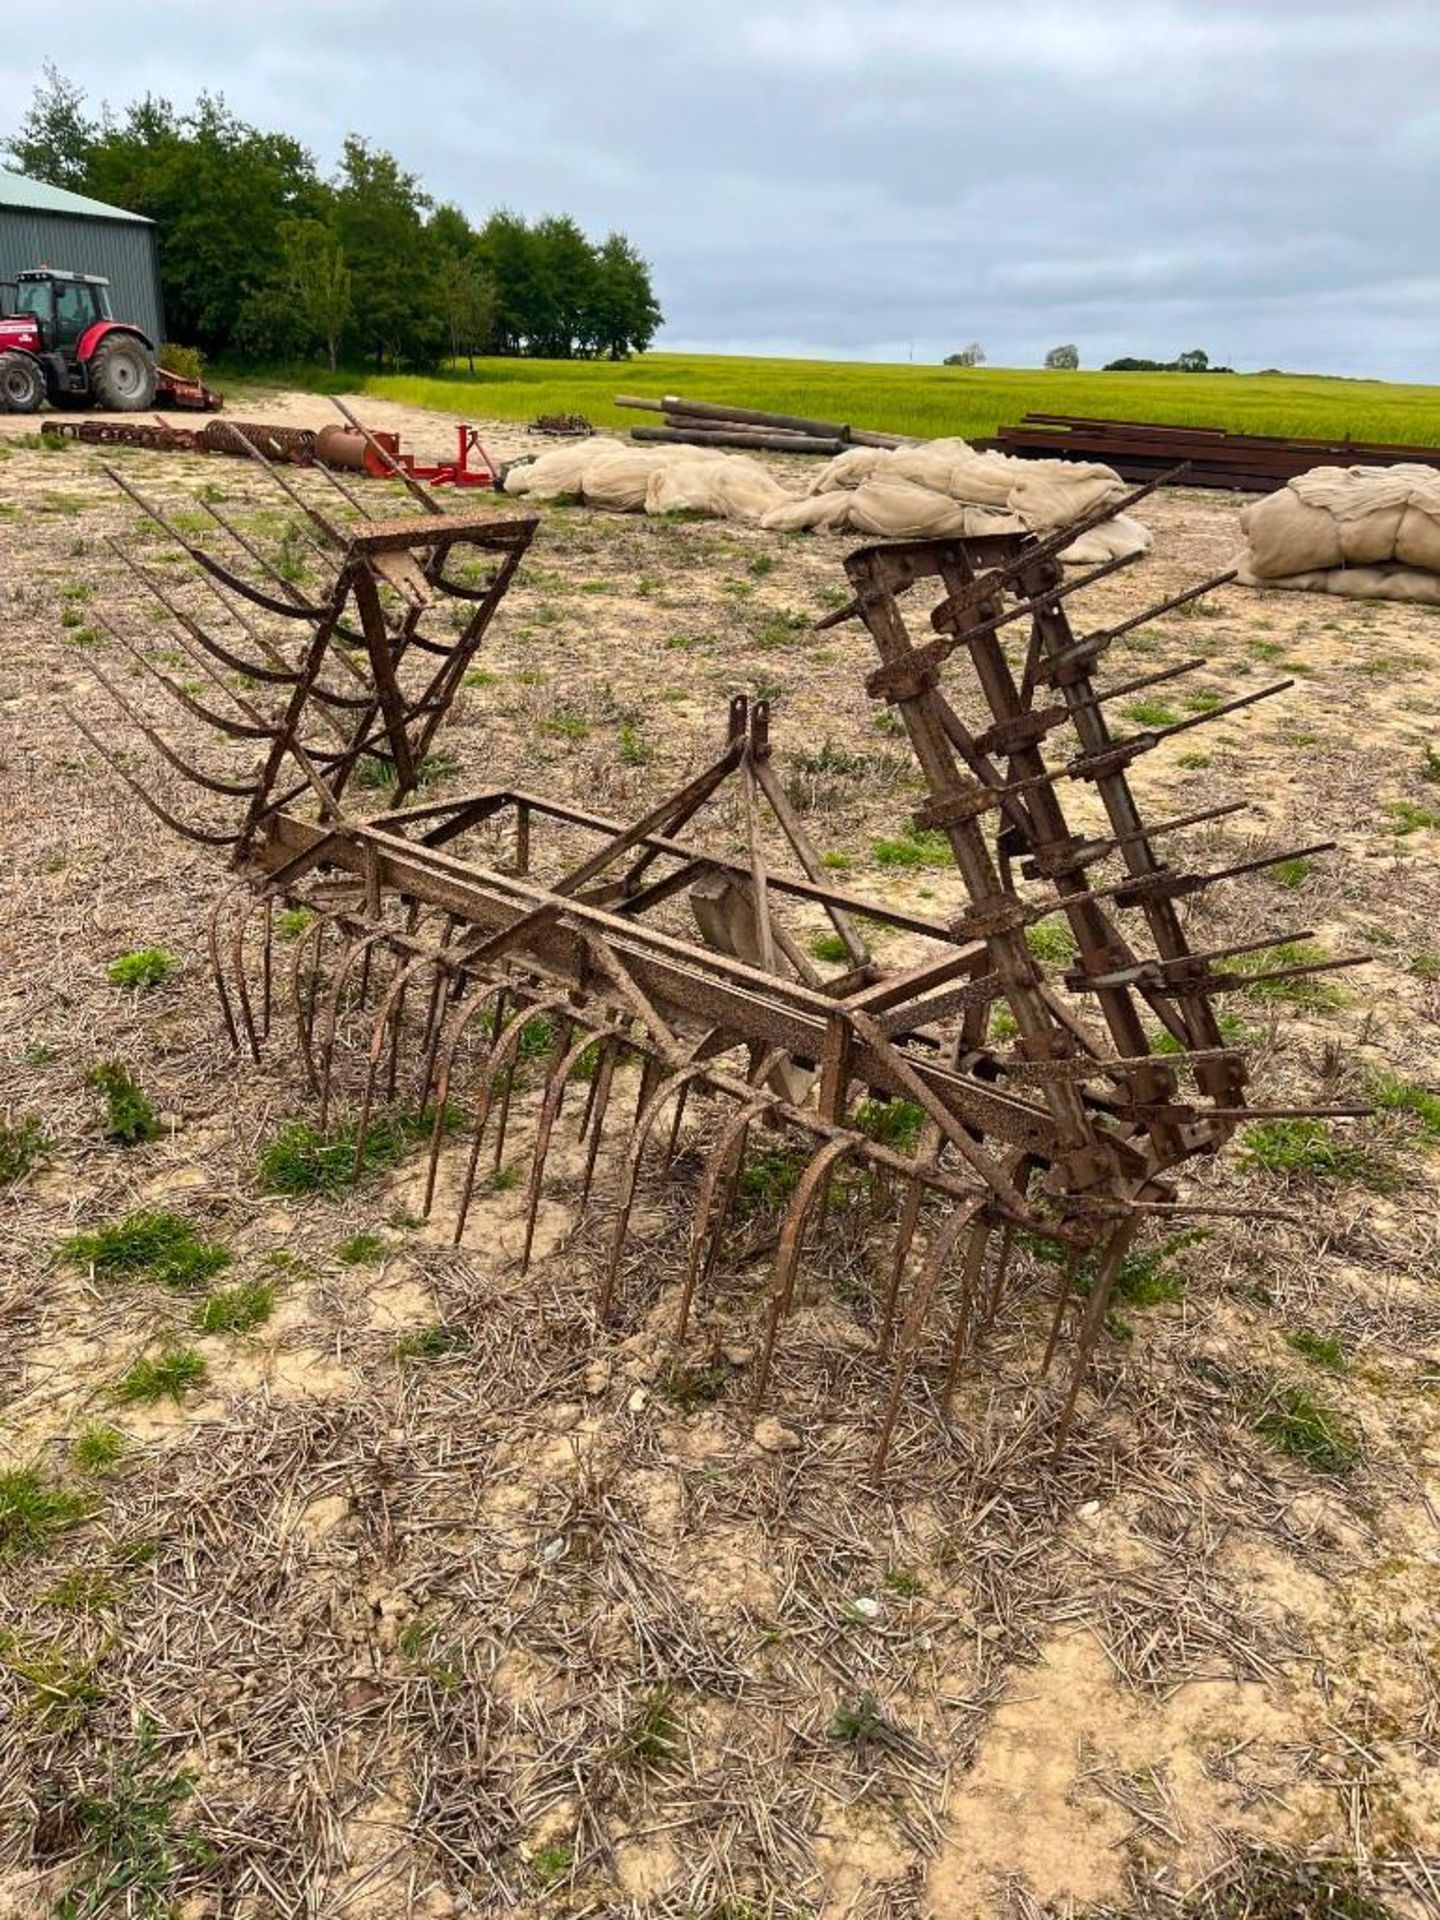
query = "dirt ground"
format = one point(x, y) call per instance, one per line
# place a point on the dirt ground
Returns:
point(431, 1596)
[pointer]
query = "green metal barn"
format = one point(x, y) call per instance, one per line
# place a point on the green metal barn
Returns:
point(42, 225)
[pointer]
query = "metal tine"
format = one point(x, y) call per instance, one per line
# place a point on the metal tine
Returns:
point(279, 672)
point(787, 1254)
point(397, 1024)
point(336, 540)
point(357, 950)
point(408, 480)
point(929, 1148)
point(444, 990)
point(232, 729)
point(242, 985)
point(1095, 1309)
point(1212, 714)
point(497, 1063)
point(965, 1314)
point(217, 970)
point(649, 1113)
point(304, 1003)
point(937, 1254)
point(229, 789)
point(206, 837)
point(386, 1020)
point(1091, 853)
point(594, 1116)
point(549, 1113)
point(467, 1012)
point(1100, 695)
point(1067, 1288)
point(722, 1167)
point(1108, 634)
point(267, 965)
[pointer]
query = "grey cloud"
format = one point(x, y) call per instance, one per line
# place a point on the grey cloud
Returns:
point(849, 176)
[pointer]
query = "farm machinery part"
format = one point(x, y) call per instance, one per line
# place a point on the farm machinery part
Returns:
point(349, 449)
point(439, 932)
point(60, 341)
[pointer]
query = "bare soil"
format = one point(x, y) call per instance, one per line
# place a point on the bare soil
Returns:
point(543, 1625)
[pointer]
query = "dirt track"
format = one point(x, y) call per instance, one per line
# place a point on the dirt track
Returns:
point(539, 1622)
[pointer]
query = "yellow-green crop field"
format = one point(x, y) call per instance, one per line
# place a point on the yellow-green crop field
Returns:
point(929, 400)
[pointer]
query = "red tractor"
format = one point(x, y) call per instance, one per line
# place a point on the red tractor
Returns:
point(60, 342)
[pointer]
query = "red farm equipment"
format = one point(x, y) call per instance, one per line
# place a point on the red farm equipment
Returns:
point(60, 341)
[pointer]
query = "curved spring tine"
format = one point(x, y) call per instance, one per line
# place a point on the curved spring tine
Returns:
point(721, 1165)
point(467, 1012)
point(1067, 1287)
point(969, 1298)
point(649, 1113)
point(237, 961)
point(549, 1113)
point(936, 1255)
point(357, 950)
point(261, 899)
point(377, 1047)
point(594, 1117)
point(787, 1253)
point(267, 964)
point(905, 1235)
point(217, 970)
point(304, 1004)
point(205, 836)
point(403, 973)
point(221, 722)
point(1115, 1251)
point(445, 980)
point(997, 1283)
point(497, 1062)
point(228, 789)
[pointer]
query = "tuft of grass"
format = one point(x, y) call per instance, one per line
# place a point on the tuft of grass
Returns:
point(895, 1123)
point(1406, 817)
point(650, 1738)
point(83, 1590)
point(1052, 943)
point(1151, 713)
point(1430, 766)
point(1308, 1149)
point(1292, 873)
point(1425, 965)
point(144, 969)
point(905, 1582)
point(361, 1250)
point(691, 1387)
point(1315, 995)
point(780, 628)
point(1323, 1350)
point(301, 1159)
point(158, 1246)
point(166, 1376)
point(829, 946)
point(858, 1723)
point(1297, 1422)
point(916, 847)
point(130, 1118)
point(121, 1836)
point(33, 1512)
point(21, 1145)
point(769, 1176)
point(97, 1448)
point(552, 1863)
point(291, 922)
point(635, 749)
point(1394, 1095)
point(564, 725)
point(236, 1309)
point(437, 1342)
point(837, 862)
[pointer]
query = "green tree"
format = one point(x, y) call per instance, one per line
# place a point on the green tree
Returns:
point(1063, 359)
point(380, 219)
point(57, 136)
point(622, 313)
point(1195, 361)
point(971, 356)
point(469, 299)
point(316, 281)
point(564, 267)
point(506, 250)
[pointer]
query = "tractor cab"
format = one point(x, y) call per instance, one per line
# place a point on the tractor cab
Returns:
point(62, 305)
point(60, 340)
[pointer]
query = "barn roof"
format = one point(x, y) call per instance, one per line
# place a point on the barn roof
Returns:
point(36, 196)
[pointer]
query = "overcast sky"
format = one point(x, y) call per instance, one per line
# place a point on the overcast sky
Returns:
point(882, 178)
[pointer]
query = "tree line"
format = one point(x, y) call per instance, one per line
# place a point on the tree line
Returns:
point(263, 256)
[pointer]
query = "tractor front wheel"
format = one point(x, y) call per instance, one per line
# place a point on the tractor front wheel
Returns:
point(122, 374)
point(22, 385)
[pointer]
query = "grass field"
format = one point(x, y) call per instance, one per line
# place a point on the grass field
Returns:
point(920, 400)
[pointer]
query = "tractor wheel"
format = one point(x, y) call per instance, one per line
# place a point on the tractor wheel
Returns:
point(122, 374)
point(22, 385)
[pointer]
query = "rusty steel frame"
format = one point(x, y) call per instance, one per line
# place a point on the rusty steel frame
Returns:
point(1072, 1132)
